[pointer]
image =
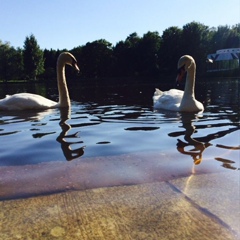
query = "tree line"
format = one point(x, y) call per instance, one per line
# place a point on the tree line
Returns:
point(151, 55)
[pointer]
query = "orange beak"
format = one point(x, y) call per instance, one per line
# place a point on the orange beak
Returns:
point(76, 67)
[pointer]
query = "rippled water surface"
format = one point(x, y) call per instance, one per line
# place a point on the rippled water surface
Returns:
point(118, 120)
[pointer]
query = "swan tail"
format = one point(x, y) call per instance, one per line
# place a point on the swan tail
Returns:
point(158, 92)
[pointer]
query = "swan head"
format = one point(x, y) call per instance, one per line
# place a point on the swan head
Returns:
point(69, 59)
point(184, 64)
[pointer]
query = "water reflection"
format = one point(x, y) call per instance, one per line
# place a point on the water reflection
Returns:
point(117, 120)
point(227, 163)
point(11, 117)
point(68, 152)
point(201, 143)
point(199, 147)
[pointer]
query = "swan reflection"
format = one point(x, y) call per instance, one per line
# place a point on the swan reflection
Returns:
point(198, 147)
point(68, 152)
point(201, 143)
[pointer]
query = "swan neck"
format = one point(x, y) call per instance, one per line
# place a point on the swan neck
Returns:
point(64, 100)
point(190, 80)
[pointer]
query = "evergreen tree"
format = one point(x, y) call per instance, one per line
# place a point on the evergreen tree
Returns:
point(32, 58)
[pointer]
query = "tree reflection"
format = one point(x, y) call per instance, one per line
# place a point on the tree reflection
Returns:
point(68, 152)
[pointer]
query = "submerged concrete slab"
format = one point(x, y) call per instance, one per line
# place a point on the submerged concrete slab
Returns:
point(216, 193)
point(134, 196)
point(88, 173)
point(159, 210)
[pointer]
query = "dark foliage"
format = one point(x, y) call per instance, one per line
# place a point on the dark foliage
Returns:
point(149, 56)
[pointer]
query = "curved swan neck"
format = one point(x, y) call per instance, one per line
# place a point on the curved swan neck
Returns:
point(190, 80)
point(64, 100)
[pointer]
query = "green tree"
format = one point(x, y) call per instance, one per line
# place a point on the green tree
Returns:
point(148, 51)
point(220, 37)
point(50, 60)
point(195, 37)
point(11, 66)
point(170, 50)
point(225, 37)
point(32, 58)
point(126, 56)
point(15, 67)
point(233, 40)
point(96, 59)
point(4, 60)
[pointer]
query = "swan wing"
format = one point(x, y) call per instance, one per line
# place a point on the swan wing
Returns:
point(22, 101)
point(169, 100)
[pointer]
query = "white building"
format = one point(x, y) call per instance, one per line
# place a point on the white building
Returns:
point(224, 60)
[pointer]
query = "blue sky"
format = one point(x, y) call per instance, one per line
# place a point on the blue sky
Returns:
point(60, 24)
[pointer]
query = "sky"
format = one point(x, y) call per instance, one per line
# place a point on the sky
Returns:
point(63, 24)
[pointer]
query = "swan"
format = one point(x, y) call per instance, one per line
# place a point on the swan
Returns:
point(178, 100)
point(24, 101)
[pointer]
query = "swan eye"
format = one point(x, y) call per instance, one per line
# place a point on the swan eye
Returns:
point(181, 69)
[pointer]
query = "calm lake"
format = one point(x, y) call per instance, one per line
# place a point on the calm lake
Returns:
point(118, 120)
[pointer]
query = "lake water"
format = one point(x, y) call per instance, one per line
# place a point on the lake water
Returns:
point(120, 120)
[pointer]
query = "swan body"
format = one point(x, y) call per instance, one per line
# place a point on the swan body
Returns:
point(24, 101)
point(178, 100)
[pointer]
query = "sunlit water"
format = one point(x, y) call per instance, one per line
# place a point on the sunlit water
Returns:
point(112, 121)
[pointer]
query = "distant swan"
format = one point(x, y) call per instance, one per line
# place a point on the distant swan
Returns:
point(177, 100)
point(23, 101)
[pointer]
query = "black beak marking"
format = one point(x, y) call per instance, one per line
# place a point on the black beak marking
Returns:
point(181, 69)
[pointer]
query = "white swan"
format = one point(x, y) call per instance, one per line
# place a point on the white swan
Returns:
point(23, 101)
point(177, 100)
